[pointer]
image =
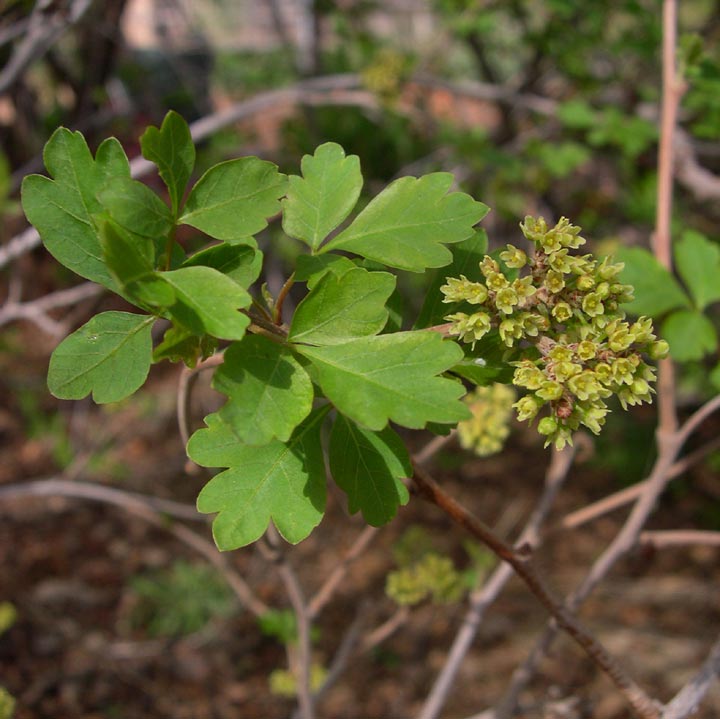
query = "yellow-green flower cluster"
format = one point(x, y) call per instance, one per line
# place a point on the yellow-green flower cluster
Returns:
point(492, 410)
point(568, 308)
point(432, 576)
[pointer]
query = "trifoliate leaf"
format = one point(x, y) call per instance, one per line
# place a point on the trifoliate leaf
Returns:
point(691, 335)
point(171, 148)
point(656, 290)
point(109, 356)
point(207, 301)
point(368, 467)
point(241, 263)
point(269, 392)
point(391, 377)
point(466, 257)
point(62, 209)
point(234, 199)
point(410, 221)
point(324, 196)
point(698, 262)
point(136, 207)
point(282, 481)
point(343, 308)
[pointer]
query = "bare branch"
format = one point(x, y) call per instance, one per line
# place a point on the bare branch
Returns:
point(679, 538)
point(331, 584)
point(689, 697)
point(153, 510)
point(43, 29)
point(483, 597)
point(301, 659)
point(522, 563)
point(36, 310)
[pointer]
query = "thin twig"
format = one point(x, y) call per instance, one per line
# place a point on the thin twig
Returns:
point(623, 543)
point(299, 657)
point(522, 564)
point(483, 597)
point(386, 629)
point(44, 28)
point(153, 510)
point(334, 580)
point(36, 310)
point(629, 494)
point(188, 377)
point(689, 697)
point(679, 538)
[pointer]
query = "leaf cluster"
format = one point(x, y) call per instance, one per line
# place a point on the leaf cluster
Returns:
point(338, 361)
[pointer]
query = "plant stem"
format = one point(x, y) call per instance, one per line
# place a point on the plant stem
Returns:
point(521, 562)
point(277, 312)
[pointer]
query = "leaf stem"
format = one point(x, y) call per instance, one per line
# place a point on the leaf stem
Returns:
point(277, 311)
point(169, 245)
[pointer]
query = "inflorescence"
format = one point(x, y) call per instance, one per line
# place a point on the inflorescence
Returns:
point(568, 308)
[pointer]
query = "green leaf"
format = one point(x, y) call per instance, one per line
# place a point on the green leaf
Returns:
point(130, 260)
point(698, 262)
point(269, 392)
point(324, 196)
point(171, 149)
point(233, 199)
point(409, 222)
point(207, 301)
point(179, 344)
point(656, 290)
point(391, 377)
point(466, 260)
point(487, 362)
point(62, 209)
point(136, 207)
point(690, 334)
point(241, 263)
point(368, 467)
point(577, 115)
point(715, 376)
point(342, 308)
point(312, 268)
point(109, 356)
point(282, 481)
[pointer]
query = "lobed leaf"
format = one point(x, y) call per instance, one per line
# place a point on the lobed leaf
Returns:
point(409, 223)
point(269, 392)
point(62, 209)
point(368, 467)
point(171, 148)
point(341, 308)
point(391, 377)
point(324, 196)
point(234, 199)
point(282, 481)
point(109, 356)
